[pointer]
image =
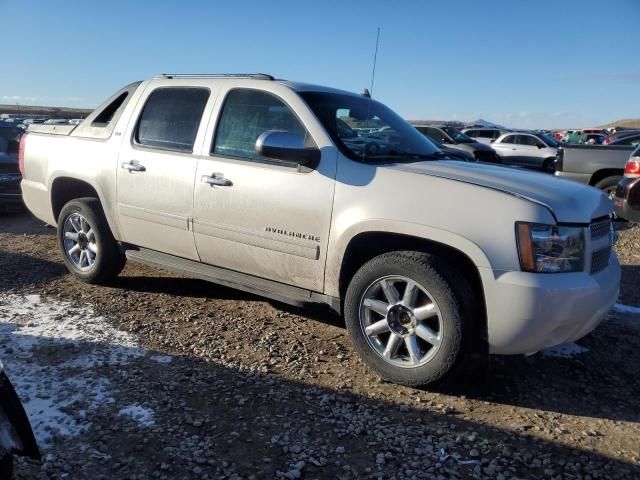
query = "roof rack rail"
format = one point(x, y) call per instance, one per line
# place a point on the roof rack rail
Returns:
point(259, 76)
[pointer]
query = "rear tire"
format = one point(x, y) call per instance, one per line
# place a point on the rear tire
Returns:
point(87, 245)
point(608, 185)
point(373, 318)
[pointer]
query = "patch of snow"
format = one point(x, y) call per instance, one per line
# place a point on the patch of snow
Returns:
point(564, 350)
point(621, 308)
point(143, 416)
point(54, 355)
point(162, 358)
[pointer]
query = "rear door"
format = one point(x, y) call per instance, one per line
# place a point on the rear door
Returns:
point(506, 148)
point(268, 218)
point(157, 167)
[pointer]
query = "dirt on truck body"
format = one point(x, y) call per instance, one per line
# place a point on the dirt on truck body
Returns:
point(161, 376)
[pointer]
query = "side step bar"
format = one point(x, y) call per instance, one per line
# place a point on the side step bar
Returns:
point(296, 296)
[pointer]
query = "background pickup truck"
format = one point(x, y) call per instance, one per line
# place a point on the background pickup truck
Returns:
point(601, 166)
point(265, 185)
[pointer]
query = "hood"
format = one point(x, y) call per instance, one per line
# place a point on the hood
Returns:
point(569, 202)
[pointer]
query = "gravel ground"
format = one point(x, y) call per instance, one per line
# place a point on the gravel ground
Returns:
point(158, 376)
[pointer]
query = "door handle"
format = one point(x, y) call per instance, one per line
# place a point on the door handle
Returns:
point(216, 179)
point(133, 166)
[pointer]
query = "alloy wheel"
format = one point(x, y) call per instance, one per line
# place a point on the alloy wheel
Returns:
point(79, 242)
point(401, 321)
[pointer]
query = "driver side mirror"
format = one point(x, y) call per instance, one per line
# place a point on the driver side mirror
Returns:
point(287, 146)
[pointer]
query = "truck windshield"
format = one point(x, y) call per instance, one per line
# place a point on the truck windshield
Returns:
point(367, 131)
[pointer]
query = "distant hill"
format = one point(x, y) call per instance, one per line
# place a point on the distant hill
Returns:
point(629, 123)
point(487, 123)
point(46, 112)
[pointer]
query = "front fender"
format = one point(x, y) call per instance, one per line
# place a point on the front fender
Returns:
point(338, 246)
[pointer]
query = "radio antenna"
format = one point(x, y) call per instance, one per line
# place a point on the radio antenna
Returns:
point(375, 58)
point(368, 92)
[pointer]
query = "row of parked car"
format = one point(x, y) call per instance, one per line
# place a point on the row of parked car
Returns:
point(613, 170)
point(526, 149)
point(601, 166)
point(599, 136)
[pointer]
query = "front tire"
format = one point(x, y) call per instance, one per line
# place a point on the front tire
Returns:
point(87, 245)
point(549, 165)
point(404, 319)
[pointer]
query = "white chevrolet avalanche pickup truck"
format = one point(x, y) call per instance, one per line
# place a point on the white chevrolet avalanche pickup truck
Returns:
point(307, 194)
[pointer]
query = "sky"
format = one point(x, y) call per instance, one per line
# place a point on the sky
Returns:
point(520, 63)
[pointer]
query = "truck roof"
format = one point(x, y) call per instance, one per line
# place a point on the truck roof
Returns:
point(297, 86)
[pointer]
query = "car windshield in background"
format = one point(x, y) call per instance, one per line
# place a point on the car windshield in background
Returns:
point(457, 135)
point(368, 131)
point(549, 140)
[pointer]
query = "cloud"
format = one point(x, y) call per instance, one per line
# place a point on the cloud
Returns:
point(70, 101)
point(18, 99)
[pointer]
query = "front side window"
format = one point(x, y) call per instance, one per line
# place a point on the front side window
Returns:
point(249, 113)
point(549, 140)
point(509, 139)
point(171, 117)
point(380, 134)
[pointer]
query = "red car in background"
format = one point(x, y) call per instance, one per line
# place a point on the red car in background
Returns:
point(627, 196)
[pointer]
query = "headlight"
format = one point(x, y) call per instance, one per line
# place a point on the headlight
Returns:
point(550, 248)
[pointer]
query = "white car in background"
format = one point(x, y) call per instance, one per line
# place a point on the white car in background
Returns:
point(483, 135)
point(530, 150)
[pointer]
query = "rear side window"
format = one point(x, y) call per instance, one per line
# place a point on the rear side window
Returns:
point(527, 140)
point(171, 117)
point(106, 115)
point(245, 116)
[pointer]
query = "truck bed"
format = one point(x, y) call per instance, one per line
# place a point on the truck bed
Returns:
point(584, 163)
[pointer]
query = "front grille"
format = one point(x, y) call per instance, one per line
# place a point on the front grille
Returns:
point(600, 229)
point(600, 260)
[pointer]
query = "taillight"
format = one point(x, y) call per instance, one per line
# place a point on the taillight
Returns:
point(606, 141)
point(23, 141)
point(632, 169)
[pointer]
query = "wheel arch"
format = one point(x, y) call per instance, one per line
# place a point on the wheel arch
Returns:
point(368, 244)
point(63, 189)
point(604, 173)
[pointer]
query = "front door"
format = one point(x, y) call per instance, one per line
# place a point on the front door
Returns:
point(257, 215)
point(156, 171)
